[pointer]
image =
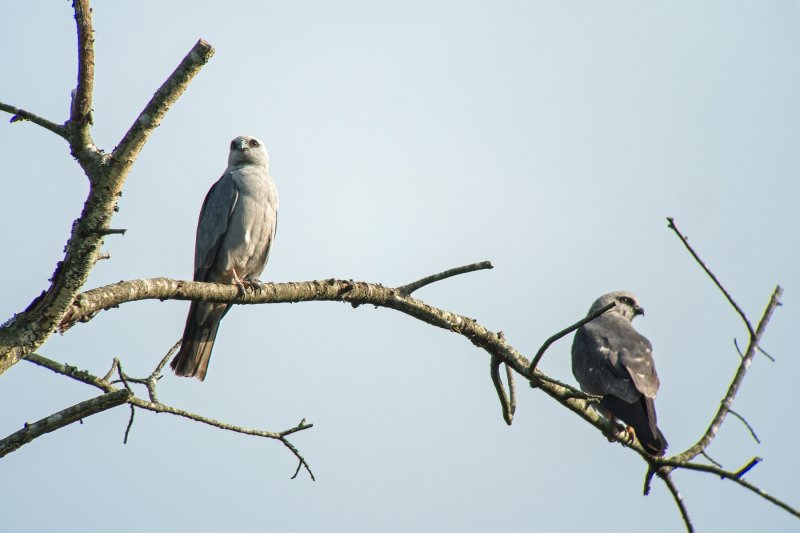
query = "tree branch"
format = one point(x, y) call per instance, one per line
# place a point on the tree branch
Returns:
point(566, 331)
point(427, 280)
point(88, 304)
point(676, 495)
point(65, 417)
point(91, 302)
point(732, 476)
point(19, 115)
point(733, 388)
point(80, 116)
point(157, 407)
point(685, 241)
point(163, 99)
point(107, 173)
point(507, 403)
point(746, 424)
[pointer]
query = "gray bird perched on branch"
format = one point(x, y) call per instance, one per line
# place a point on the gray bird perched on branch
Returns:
point(612, 360)
point(234, 236)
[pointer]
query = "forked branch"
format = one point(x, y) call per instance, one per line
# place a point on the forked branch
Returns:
point(157, 407)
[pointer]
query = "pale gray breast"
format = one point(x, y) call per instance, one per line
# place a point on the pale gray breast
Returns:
point(253, 221)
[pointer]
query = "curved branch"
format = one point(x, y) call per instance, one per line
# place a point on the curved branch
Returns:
point(508, 403)
point(566, 331)
point(427, 280)
point(88, 304)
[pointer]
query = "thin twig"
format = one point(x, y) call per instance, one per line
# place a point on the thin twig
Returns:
point(123, 378)
point(512, 389)
point(427, 280)
point(564, 332)
point(18, 115)
point(768, 356)
point(736, 345)
point(151, 381)
point(678, 501)
point(685, 241)
point(747, 425)
point(301, 461)
point(505, 402)
point(112, 231)
point(648, 479)
point(157, 372)
point(130, 425)
point(746, 468)
point(110, 370)
point(732, 476)
point(124, 381)
point(704, 454)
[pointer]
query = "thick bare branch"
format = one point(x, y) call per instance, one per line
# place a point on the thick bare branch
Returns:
point(359, 293)
point(169, 92)
point(80, 116)
point(65, 417)
point(88, 304)
point(29, 329)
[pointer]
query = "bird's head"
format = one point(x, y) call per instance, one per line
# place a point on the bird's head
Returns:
point(247, 150)
point(625, 302)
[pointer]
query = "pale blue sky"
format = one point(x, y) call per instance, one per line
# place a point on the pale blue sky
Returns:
point(552, 138)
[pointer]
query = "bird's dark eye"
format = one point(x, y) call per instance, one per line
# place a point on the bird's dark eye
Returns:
point(233, 145)
point(253, 142)
point(626, 300)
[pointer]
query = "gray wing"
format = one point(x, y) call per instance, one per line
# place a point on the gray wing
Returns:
point(213, 224)
point(610, 357)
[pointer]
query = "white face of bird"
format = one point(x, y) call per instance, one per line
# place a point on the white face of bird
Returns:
point(247, 150)
point(625, 302)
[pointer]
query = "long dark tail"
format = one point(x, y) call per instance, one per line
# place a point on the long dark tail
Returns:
point(641, 416)
point(199, 334)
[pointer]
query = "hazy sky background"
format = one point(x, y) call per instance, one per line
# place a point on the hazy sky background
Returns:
point(552, 138)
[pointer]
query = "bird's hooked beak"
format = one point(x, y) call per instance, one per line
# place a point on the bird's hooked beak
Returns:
point(638, 311)
point(242, 145)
